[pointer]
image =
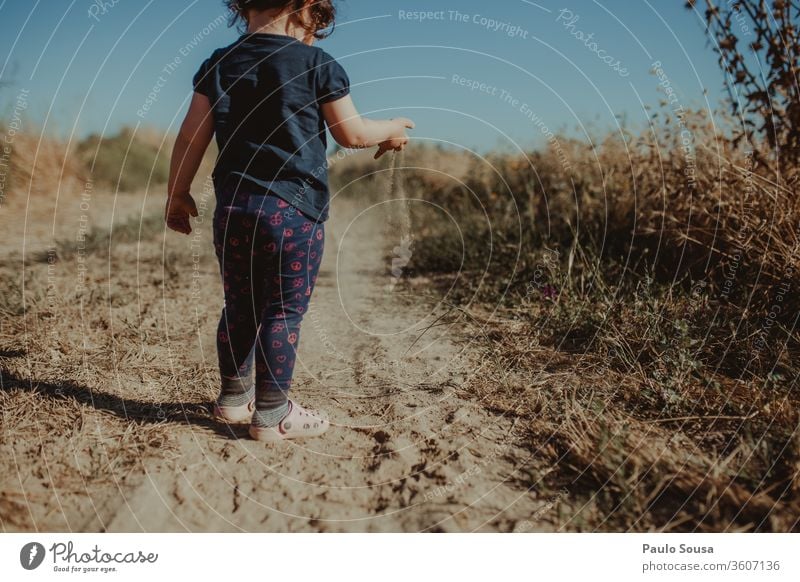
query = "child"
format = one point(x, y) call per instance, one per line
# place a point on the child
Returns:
point(268, 98)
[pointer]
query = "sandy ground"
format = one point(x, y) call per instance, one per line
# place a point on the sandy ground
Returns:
point(130, 446)
point(33, 224)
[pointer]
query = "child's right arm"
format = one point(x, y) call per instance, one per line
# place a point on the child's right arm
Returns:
point(350, 130)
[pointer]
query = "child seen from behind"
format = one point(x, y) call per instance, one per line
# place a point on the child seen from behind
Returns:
point(268, 98)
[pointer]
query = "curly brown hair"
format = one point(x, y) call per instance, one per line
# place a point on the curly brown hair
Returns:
point(321, 13)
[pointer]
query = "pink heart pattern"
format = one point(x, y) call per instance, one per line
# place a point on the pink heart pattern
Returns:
point(269, 260)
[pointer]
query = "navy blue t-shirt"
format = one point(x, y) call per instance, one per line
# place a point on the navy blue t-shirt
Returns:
point(266, 91)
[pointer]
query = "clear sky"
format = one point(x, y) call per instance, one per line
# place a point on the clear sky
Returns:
point(89, 65)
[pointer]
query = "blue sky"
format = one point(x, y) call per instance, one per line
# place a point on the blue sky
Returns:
point(89, 69)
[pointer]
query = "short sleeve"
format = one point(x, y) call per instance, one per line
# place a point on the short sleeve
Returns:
point(202, 79)
point(333, 81)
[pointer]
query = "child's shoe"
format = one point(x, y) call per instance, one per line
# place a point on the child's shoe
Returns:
point(298, 423)
point(235, 414)
point(236, 401)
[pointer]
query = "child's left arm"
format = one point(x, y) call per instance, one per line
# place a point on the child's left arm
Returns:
point(187, 154)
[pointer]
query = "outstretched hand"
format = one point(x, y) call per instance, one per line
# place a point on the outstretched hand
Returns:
point(399, 142)
point(180, 207)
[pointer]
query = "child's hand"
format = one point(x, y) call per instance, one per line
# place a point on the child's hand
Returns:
point(397, 142)
point(179, 208)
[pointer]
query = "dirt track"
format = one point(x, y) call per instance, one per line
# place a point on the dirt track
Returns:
point(410, 450)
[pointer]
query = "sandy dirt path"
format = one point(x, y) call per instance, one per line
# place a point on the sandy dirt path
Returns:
point(410, 449)
point(406, 452)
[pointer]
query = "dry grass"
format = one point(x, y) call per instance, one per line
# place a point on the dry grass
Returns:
point(49, 160)
point(632, 341)
point(635, 456)
point(86, 386)
point(645, 323)
point(70, 454)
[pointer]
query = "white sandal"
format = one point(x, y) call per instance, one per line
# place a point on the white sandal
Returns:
point(235, 414)
point(297, 424)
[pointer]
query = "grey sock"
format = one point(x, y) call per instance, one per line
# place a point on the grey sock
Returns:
point(236, 391)
point(271, 407)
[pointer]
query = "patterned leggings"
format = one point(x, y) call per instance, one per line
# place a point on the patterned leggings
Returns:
point(269, 255)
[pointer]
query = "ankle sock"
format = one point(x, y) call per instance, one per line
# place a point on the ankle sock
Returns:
point(235, 391)
point(271, 407)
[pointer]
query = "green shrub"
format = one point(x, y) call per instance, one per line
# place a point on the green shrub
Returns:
point(125, 161)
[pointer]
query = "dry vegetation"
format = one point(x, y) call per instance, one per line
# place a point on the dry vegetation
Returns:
point(82, 410)
point(640, 309)
point(628, 317)
point(637, 306)
point(639, 300)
